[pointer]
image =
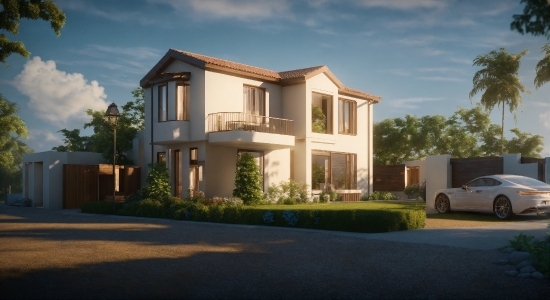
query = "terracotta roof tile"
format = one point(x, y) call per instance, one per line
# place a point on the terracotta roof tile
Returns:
point(232, 65)
point(298, 72)
point(358, 92)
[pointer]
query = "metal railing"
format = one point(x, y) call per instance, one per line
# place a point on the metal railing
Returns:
point(230, 121)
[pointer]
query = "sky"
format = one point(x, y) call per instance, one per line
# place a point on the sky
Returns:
point(415, 54)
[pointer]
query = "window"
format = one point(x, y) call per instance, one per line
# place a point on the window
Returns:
point(163, 103)
point(161, 157)
point(193, 156)
point(321, 113)
point(347, 117)
point(254, 100)
point(182, 102)
point(337, 169)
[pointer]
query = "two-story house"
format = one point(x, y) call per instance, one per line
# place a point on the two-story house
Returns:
point(202, 112)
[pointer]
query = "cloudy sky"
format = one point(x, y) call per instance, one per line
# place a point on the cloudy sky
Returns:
point(416, 54)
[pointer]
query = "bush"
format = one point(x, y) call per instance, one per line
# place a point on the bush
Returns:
point(248, 180)
point(287, 192)
point(100, 207)
point(380, 195)
point(412, 191)
point(158, 183)
point(539, 250)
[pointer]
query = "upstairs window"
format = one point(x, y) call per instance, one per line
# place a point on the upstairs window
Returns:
point(182, 102)
point(163, 103)
point(321, 113)
point(347, 117)
point(254, 100)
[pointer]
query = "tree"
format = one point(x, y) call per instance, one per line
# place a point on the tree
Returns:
point(15, 10)
point(11, 148)
point(248, 180)
point(500, 82)
point(467, 133)
point(535, 19)
point(130, 122)
point(543, 67)
point(319, 120)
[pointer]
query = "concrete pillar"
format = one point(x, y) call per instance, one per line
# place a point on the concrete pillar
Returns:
point(438, 176)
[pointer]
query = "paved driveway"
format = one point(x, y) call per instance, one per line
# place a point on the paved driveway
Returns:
point(67, 255)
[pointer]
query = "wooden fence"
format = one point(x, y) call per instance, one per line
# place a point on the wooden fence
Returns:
point(84, 183)
point(389, 177)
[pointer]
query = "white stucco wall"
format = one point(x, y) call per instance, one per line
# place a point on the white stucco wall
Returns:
point(512, 165)
point(44, 184)
point(438, 176)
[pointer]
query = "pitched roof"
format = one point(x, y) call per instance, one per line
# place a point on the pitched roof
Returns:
point(284, 78)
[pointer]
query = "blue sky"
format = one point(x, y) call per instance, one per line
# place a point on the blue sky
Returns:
point(416, 54)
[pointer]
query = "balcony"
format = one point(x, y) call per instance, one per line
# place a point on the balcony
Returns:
point(245, 130)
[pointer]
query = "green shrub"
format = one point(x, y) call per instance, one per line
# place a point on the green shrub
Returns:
point(287, 192)
point(412, 191)
point(539, 250)
point(100, 207)
point(158, 182)
point(380, 195)
point(248, 180)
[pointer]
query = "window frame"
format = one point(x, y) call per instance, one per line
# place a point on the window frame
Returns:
point(162, 102)
point(328, 111)
point(262, 101)
point(161, 157)
point(352, 116)
point(350, 168)
point(184, 102)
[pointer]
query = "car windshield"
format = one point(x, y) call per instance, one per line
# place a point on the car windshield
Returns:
point(526, 181)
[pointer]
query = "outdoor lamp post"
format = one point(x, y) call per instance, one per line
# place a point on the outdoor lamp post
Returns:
point(111, 117)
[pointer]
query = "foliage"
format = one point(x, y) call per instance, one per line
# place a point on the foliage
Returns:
point(287, 192)
point(317, 175)
point(499, 81)
point(318, 119)
point(130, 122)
point(467, 133)
point(543, 67)
point(381, 195)
point(354, 217)
point(412, 190)
point(248, 180)
point(15, 10)
point(12, 149)
point(158, 183)
point(539, 250)
point(101, 207)
point(535, 19)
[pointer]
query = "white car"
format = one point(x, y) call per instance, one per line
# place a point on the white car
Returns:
point(504, 195)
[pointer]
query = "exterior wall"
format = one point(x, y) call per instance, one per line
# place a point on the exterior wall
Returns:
point(513, 165)
point(294, 108)
point(437, 180)
point(44, 184)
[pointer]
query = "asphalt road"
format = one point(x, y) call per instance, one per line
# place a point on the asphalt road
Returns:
point(48, 254)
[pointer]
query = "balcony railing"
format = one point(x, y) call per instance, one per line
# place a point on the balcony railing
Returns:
point(231, 121)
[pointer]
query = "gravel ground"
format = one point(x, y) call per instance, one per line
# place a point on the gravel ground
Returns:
point(66, 255)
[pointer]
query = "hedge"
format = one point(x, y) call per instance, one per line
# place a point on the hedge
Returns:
point(354, 218)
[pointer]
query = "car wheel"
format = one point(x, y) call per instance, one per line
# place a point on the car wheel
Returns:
point(442, 204)
point(502, 207)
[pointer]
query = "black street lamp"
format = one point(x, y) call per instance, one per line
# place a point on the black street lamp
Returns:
point(111, 117)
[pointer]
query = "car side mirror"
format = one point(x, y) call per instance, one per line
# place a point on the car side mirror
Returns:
point(465, 187)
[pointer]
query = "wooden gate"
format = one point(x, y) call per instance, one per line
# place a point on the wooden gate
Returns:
point(80, 184)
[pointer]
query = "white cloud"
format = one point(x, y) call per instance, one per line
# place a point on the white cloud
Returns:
point(545, 119)
point(405, 4)
point(57, 96)
point(244, 10)
point(411, 103)
point(43, 140)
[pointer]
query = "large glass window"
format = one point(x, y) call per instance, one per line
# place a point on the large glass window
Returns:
point(321, 113)
point(163, 103)
point(334, 168)
point(254, 100)
point(347, 116)
point(182, 102)
point(161, 157)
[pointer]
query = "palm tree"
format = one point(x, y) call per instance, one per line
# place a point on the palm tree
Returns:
point(543, 67)
point(500, 82)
